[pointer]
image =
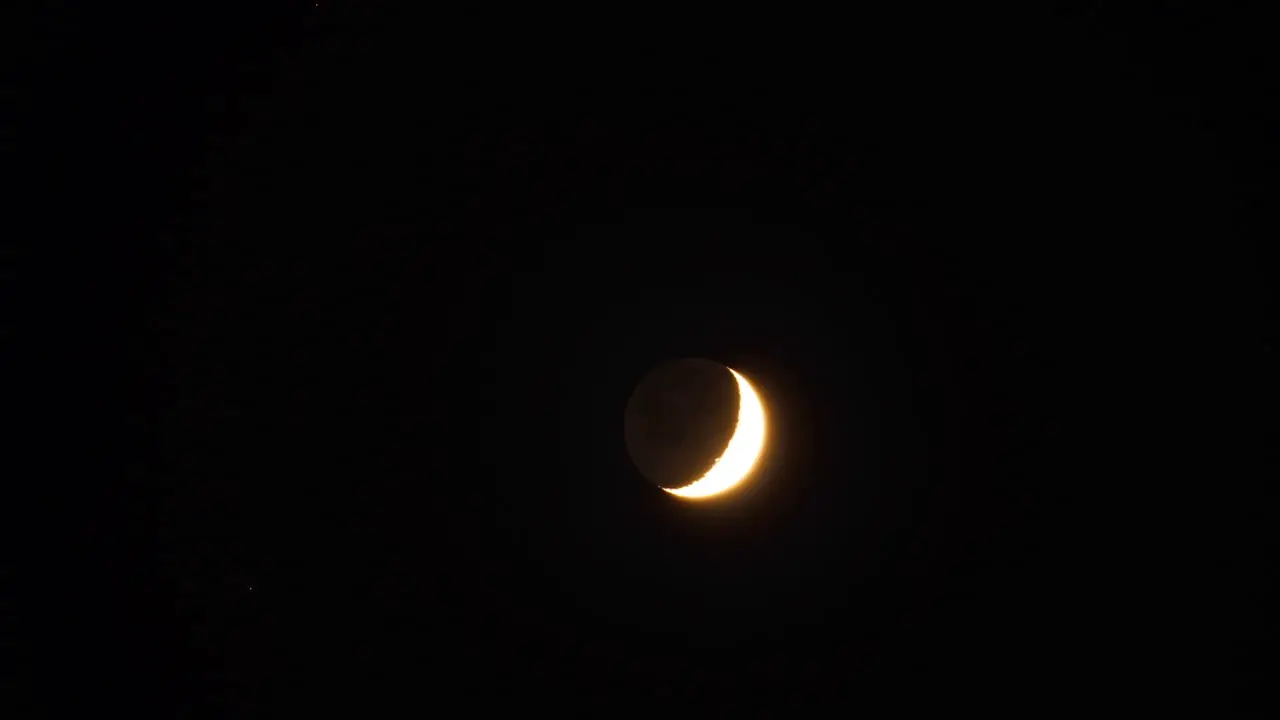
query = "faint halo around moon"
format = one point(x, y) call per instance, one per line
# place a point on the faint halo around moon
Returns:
point(695, 428)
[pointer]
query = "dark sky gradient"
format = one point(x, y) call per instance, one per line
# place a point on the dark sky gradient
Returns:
point(349, 309)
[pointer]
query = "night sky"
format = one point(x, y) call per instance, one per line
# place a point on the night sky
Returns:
point(331, 319)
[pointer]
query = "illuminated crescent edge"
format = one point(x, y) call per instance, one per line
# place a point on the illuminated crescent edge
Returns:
point(742, 452)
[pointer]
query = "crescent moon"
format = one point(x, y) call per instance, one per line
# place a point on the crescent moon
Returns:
point(742, 452)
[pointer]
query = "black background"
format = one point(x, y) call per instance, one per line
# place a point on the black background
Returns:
point(328, 321)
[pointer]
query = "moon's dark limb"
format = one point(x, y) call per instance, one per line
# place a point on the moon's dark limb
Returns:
point(680, 419)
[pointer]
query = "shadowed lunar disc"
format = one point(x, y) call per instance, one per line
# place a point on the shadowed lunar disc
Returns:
point(680, 419)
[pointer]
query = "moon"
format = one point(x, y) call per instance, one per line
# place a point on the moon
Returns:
point(696, 428)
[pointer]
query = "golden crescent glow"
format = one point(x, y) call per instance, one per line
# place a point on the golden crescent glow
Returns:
point(742, 452)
